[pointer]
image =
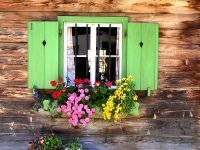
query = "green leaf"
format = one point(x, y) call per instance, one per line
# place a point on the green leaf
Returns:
point(135, 110)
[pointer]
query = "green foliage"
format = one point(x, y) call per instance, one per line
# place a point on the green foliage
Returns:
point(50, 142)
point(73, 145)
point(99, 95)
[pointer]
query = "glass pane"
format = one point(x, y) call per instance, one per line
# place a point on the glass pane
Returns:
point(107, 66)
point(80, 69)
point(106, 41)
point(80, 42)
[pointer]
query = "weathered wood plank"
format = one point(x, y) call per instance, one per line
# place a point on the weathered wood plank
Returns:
point(177, 93)
point(145, 6)
point(8, 35)
point(177, 21)
point(13, 35)
point(16, 94)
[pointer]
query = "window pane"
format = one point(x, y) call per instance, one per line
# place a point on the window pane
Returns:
point(108, 39)
point(104, 69)
point(80, 46)
point(107, 67)
point(78, 43)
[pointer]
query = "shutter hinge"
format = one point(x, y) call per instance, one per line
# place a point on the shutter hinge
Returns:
point(125, 34)
point(60, 31)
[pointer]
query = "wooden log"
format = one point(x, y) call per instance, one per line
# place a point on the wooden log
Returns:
point(16, 94)
point(169, 93)
point(145, 6)
point(8, 35)
point(13, 35)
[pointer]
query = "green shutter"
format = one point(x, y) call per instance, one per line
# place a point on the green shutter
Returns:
point(134, 52)
point(42, 59)
point(51, 52)
point(149, 67)
point(142, 60)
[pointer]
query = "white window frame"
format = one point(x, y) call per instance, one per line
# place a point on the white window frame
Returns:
point(93, 37)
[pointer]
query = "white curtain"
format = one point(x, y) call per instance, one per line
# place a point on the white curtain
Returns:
point(70, 59)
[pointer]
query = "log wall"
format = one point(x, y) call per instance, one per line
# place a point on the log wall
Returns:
point(179, 58)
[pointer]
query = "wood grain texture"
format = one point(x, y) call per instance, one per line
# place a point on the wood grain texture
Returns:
point(144, 6)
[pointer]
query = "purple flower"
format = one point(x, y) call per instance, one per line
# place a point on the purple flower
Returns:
point(36, 94)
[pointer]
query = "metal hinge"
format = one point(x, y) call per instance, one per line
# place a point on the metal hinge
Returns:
point(31, 26)
point(60, 32)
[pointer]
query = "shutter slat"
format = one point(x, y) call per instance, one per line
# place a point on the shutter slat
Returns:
point(134, 52)
point(42, 58)
point(35, 54)
point(149, 55)
point(51, 52)
point(142, 54)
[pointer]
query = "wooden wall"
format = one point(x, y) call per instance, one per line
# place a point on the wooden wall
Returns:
point(179, 49)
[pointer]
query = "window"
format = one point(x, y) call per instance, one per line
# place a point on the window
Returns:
point(99, 48)
point(92, 50)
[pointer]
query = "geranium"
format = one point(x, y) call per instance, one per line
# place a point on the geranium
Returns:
point(108, 83)
point(122, 102)
point(53, 83)
point(60, 81)
point(56, 94)
point(78, 81)
point(76, 106)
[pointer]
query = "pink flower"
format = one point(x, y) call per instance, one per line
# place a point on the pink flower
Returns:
point(68, 114)
point(87, 120)
point(93, 110)
point(81, 91)
point(108, 83)
point(79, 109)
point(80, 85)
point(82, 95)
point(87, 98)
point(86, 90)
point(59, 109)
point(86, 107)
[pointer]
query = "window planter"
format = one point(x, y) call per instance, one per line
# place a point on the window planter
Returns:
point(81, 102)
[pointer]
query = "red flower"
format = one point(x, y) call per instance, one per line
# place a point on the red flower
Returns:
point(56, 94)
point(60, 80)
point(86, 81)
point(78, 81)
point(108, 83)
point(53, 83)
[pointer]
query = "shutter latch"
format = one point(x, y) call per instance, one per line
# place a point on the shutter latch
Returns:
point(44, 43)
point(141, 44)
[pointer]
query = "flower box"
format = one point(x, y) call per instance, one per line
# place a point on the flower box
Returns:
point(83, 101)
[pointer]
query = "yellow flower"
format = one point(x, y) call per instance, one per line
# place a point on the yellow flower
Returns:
point(135, 97)
point(117, 82)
